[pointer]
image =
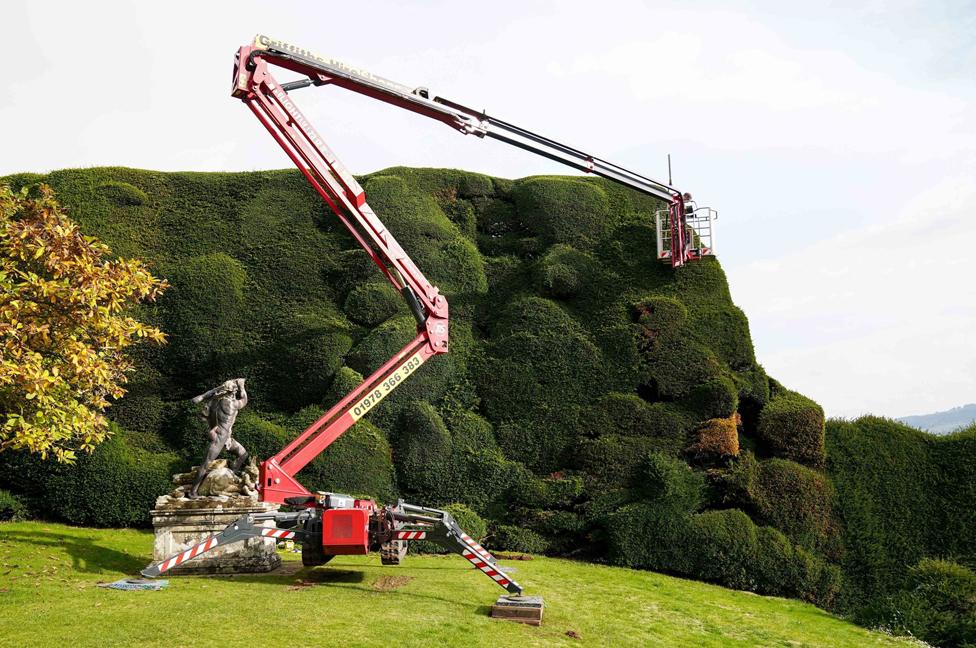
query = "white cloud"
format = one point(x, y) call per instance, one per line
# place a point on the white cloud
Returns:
point(876, 319)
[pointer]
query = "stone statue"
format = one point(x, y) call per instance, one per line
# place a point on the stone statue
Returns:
point(220, 407)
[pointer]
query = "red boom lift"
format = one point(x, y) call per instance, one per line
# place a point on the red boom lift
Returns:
point(330, 524)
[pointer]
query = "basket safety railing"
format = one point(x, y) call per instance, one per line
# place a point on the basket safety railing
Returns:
point(699, 223)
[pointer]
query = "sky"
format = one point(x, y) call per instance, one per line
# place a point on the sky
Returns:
point(837, 140)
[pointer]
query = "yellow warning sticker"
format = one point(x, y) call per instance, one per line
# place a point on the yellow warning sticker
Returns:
point(391, 382)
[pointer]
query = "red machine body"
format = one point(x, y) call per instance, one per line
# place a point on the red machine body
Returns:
point(346, 531)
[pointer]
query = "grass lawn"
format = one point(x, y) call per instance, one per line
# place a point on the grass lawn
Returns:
point(48, 597)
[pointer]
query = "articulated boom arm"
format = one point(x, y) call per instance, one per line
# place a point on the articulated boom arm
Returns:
point(271, 103)
point(258, 89)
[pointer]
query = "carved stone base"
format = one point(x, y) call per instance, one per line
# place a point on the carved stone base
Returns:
point(179, 524)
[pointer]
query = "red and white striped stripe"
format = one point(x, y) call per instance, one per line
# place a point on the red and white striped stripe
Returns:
point(192, 552)
point(411, 535)
point(284, 534)
point(486, 567)
point(477, 548)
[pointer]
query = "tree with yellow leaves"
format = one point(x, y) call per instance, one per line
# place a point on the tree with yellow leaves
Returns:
point(64, 327)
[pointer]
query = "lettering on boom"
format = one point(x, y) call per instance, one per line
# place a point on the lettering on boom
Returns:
point(299, 118)
point(391, 382)
point(267, 43)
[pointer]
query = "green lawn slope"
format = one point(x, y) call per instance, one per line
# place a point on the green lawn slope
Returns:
point(49, 597)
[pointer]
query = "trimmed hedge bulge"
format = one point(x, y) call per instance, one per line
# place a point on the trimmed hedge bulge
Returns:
point(791, 426)
point(583, 377)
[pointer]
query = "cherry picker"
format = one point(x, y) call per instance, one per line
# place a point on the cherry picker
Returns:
point(331, 524)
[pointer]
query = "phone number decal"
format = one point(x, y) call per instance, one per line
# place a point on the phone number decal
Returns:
point(391, 382)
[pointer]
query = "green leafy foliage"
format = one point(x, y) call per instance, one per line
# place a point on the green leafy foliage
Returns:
point(360, 462)
point(563, 210)
point(507, 537)
point(791, 426)
point(12, 507)
point(123, 194)
point(469, 521)
point(430, 383)
point(940, 606)
point(664, 532)
point(563, 273)
point(204, 311)
point(66, 322)
point(796, 500)
point(116, 485)
point(372, 303)
point(902, 496)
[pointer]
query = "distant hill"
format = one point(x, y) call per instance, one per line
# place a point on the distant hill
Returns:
point(943, 422)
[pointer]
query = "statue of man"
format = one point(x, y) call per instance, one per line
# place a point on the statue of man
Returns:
point(220, 407)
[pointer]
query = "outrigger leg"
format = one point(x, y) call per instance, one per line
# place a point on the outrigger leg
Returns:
point(242, 529)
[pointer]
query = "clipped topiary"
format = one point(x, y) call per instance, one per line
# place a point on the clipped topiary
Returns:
point(555, 491)
point(544, 439)
point(559, 280)
point(123, 194)
point(372, 303)
point(469, 431)
point(116, 485)
point(737, 486)
point(671, 483)
point(360, 462)
point(505, 537)
point(563, 272)
point(541, 370)
point(615, 461)
point(298, 369)
point(648, 536)
point(674, 366)
point(659, 314)
point(145, 414)
point(563, 210)
point(716, 398)
point(203, 314)
point(725, 330)
point(430, 382)
point(469, 521)
point(260, 437)
point(344, 381)
point(791, 426)
point(716, 439)
point(423, 450)
point(886, 482)
point(725, 548)
point(796, 500)
point(630, 415)
point(436, 245)
point(940, 607)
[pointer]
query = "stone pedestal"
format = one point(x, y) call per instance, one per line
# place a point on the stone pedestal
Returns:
point(182, 523)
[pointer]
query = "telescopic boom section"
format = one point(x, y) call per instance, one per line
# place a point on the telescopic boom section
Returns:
point(272, 105)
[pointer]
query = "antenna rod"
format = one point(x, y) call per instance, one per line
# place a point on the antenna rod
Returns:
point(669, 170)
